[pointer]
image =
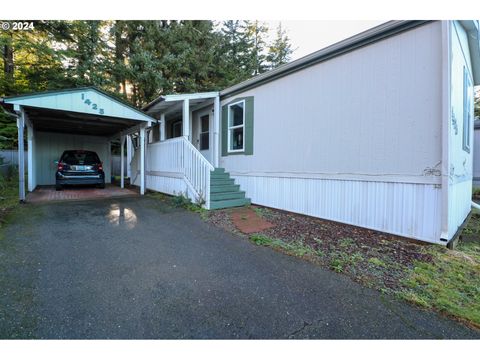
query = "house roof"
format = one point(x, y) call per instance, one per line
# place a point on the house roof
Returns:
point(364, 38)
point(85, 111)
point(172, 103)
point(75, 100)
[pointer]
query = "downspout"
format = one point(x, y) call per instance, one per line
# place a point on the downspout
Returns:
point(446, 106)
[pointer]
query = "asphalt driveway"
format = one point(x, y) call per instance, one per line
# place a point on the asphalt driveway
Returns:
point(137, 268)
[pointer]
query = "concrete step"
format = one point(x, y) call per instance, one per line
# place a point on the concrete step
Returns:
point(219, 182)
point(224, 188)
point(222, 204)
point(227, 195)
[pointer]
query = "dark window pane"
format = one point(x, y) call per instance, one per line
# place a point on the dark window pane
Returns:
point(204, 140)
point(177, 129)
point(236, 114)
point(237, 139)
point(80, 158)
point(204, 123)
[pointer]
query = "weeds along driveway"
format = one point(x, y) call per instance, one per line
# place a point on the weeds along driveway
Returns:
point(139, 268)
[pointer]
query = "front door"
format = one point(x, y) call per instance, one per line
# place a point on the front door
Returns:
point(203, 139)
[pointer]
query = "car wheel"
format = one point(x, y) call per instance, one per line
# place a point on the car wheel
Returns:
point(58, 187)
point(101, 186)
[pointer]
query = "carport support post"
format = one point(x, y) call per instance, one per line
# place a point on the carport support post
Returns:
point(21, 152)
point(142, 160)
point(122, 161)
point(129, 156)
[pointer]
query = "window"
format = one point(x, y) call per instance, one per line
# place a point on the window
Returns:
point(467, 109)
point(236, 126)
point(204, 132)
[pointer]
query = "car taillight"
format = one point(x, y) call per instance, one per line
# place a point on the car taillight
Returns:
point(60, 166)
point(100, 167)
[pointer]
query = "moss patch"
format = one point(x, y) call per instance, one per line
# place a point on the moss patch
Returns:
point(450, 283)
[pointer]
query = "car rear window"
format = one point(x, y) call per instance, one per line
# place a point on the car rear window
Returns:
point(80, 158)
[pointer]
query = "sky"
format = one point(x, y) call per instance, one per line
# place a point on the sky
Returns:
point(308, 36)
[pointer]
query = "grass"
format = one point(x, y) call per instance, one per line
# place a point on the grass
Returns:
point(296, 248)
point(377, 262)
point(450, 283)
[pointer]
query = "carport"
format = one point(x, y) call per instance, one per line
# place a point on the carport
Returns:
point(80, 118)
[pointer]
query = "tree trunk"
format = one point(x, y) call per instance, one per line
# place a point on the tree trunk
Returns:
point(8, 67)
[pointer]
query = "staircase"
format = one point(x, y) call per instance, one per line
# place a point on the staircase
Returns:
point(223, 191)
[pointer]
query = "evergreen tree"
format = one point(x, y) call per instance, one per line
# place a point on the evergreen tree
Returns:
point(236, 50)
point(280, 50)
point(255, 34)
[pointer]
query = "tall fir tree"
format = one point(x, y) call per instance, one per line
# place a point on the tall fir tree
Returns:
point(255, 36)
point(280, 50)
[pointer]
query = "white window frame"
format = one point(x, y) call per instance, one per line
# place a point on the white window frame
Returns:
point(230, 128)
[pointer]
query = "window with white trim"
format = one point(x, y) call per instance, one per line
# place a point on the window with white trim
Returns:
point(467, 109)
point(236, 126)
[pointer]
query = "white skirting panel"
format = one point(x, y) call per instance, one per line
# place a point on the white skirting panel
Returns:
point(167, 185)
point(410, 210)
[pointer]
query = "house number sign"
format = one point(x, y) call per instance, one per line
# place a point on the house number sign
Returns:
point(93, 105)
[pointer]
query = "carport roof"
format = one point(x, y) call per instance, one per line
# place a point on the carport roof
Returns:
point(85, 110)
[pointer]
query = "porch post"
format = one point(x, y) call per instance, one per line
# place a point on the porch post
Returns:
point(142, 160)
point(21, 154)
point(30, 164)
point(122, 161)
point(216, 131)
point(186, 119)
point(129, 156)
point(162, 127)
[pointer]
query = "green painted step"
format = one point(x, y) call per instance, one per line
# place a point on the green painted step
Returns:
point(227, 195)
point(219, 176)
point(219, 182)
point(222, 204)
point(218, 171)
point(224, 188)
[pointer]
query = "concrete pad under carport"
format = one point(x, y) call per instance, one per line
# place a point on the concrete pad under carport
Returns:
point(44, 194)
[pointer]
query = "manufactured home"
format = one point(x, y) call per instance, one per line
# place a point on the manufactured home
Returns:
point(374, 131)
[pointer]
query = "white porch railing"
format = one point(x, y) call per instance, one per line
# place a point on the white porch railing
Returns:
point(178, 155)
